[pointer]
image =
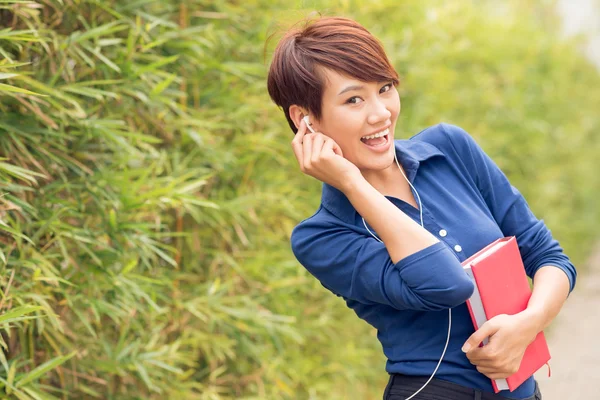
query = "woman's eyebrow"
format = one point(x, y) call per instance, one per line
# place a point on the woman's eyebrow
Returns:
point(349, 88)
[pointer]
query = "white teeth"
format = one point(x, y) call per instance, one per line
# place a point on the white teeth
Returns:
point(380, 134)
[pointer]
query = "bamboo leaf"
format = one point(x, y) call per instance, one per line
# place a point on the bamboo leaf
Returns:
point(15, 391)
point(3, 359)
point(159, 88)
point(144, 375)
point(44, 368)
point(8, 88)
point(10, 377)
point(15, 313)
point(4, 75)
point(37, 395)
point(156, 65)
point(94, 33)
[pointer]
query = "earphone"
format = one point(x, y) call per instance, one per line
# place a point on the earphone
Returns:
point(449, 310)
point(308, 124)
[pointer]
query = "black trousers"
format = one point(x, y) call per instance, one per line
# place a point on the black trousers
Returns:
point(400, 387)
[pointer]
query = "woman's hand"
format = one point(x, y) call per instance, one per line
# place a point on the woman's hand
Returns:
point(321, 157)
point(509, 336)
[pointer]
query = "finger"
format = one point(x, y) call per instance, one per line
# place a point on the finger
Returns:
point(307, 149)
point(494, 373)
point(483, 332)
point(485, 363)
point(488, 370)
point(474, 354)
point(317, 146)
point(487, 352)
point(297, 144)
point(337, 149)
point(331, 145)
point(301, 132)
point(328, 146)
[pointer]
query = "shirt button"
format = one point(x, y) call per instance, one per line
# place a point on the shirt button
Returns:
point(458, 248)
point(443, 233)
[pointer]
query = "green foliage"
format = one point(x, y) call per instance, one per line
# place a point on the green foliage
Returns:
point(149, 189)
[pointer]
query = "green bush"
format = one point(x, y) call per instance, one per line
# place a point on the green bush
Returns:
point(149, 188)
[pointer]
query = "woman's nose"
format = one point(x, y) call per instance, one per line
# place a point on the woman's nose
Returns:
point(379, 112)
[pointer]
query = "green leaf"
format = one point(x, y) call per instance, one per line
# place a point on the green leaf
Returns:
point(159, 88)
point(3, 359)
point(10, 377)
point(156, 65)
point(144, 375)
point(95, 33)
point(4, 75)
point(13, 390)
point(14, 89)
point(44, 368)
point(17, 312)
point(14, 232)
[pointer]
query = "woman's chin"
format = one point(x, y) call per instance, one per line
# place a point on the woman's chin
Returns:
point(382, 163)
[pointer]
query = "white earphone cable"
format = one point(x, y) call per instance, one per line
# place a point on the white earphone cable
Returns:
point(423, 225)
point(449, 310)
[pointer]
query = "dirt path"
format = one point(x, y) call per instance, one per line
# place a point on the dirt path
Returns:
point(574, 341)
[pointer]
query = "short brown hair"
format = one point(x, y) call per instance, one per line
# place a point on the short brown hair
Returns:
point(340, 44)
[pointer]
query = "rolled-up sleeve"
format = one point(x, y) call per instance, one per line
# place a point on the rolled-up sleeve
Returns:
point(357, 267)
point(510, 209)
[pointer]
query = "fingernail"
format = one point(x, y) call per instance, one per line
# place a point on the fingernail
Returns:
point(466, 347)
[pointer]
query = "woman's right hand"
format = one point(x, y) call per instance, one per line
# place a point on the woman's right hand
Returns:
point(321, 157)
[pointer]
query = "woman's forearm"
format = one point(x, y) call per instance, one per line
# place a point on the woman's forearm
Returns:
point(550, 290)
point(401, 235)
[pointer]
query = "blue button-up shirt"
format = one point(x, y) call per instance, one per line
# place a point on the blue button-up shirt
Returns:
point(467, 202)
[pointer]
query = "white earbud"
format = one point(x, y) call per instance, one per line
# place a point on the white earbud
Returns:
point(308, 124)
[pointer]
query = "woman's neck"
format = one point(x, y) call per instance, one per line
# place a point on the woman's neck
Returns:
point(389, 181)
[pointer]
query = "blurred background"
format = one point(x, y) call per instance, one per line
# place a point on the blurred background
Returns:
point(148, 186)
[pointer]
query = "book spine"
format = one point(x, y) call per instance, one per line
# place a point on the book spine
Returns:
point(476, 310)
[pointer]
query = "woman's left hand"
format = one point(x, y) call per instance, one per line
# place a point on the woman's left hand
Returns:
point(509, 336)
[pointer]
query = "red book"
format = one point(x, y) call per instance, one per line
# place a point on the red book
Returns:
point(501, 287)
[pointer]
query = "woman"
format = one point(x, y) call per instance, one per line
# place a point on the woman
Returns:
point(398, 216)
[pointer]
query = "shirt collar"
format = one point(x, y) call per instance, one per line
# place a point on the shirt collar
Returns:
point(410, 154)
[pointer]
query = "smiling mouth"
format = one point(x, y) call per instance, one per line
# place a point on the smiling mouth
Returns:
point(377, 140)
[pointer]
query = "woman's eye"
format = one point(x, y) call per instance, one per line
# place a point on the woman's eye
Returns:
point(388, 86)
point(354, 100)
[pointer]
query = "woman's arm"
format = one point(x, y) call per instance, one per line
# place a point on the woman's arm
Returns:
point(391, 224)
point(411, 269)
point(358, 267)
point(545, 262)
point(320, 157)
point(550, 290)
point(511, 334)
point(509, 208)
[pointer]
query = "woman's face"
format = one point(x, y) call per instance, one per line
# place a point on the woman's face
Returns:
point(351, 110)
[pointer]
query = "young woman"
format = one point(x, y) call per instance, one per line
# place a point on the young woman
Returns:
point(397, 217)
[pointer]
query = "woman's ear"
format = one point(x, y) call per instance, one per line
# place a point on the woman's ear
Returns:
point(296, 114)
